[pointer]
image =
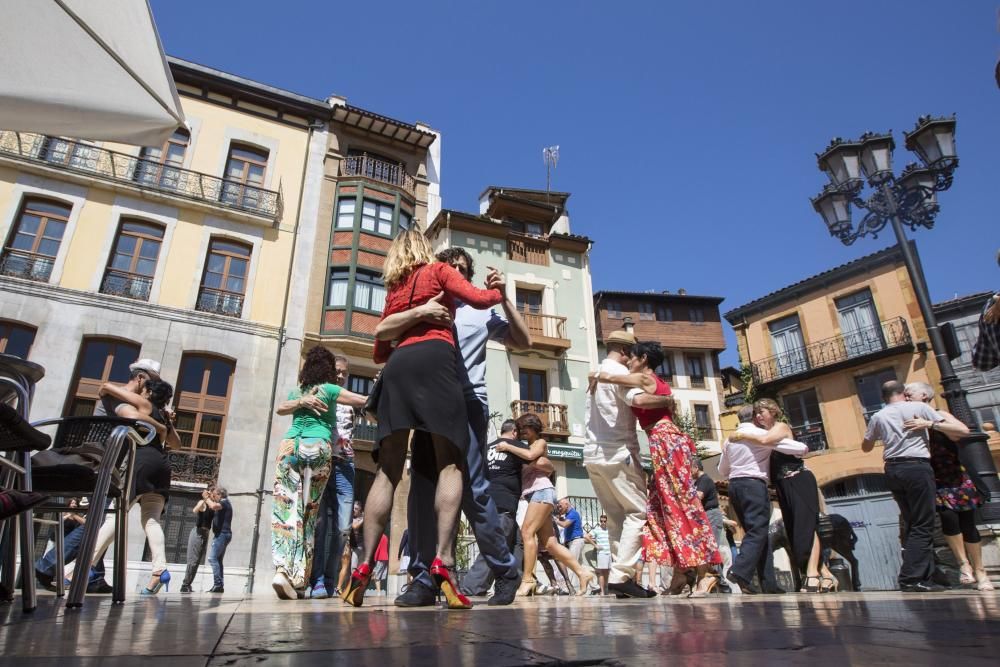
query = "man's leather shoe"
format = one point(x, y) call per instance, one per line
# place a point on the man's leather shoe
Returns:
point(417, 594)
point(99, 587)
point(504, 591)
point(923, 587)
point(185, 588)
point(630, 589)
point(745, 587)
point(216, 589)
point(45, 580)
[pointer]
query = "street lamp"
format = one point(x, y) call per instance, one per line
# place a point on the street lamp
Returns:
point(909, 199)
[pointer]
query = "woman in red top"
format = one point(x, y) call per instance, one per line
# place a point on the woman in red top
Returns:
point(420, 392)
point(677, 532)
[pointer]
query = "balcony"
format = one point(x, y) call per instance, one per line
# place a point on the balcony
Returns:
point(548, 332)
point(377, 170)
point(194, 468)
point(528, 249)
point(812, 435)
point(27, 265)
point(219, 302)
point(128, 285)
point(882, 339)
point(147, 175)
point(555, 420)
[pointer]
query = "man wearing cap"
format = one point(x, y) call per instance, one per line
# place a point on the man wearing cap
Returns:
point(139, 373)
point(611, 457)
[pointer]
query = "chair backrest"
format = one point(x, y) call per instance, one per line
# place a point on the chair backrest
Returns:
point(89, 432)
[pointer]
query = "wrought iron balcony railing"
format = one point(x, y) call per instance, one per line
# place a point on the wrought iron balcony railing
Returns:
point(188, 466)
point(878, 338)
point(110, 165)
point(219, 302)
point(128, 285)
point(554, 417)
point(28, 265)
point(812, 436)
point(378, 170)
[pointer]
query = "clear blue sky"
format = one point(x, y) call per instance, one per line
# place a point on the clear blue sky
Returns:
point(687, 129)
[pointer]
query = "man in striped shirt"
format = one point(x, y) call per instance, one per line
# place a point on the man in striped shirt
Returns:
point(598, 536)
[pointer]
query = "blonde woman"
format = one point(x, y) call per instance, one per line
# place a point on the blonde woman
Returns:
point(420, 392)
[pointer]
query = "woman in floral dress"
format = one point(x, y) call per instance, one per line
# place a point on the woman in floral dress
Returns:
point(956, 496)
point(677, 532)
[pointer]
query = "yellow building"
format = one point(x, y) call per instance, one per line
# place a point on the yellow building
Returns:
point(180, 253)
point(823, 347)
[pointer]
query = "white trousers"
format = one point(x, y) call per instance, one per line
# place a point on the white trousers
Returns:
point(151, 507)
point(620, 486)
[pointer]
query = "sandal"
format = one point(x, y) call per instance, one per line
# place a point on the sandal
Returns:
point(828, 585)
point(811, 588)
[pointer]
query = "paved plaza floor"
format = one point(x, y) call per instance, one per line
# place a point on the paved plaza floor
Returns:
point(957, 629)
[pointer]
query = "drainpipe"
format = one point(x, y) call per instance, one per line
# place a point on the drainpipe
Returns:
point(265, 460)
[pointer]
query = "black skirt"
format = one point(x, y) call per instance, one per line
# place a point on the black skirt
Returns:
point(798, 497)
point(152, 471)
point(421, 391)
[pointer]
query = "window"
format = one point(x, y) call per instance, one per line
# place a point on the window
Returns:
point(666, 370)
point(664, 314)
point(789, 348)
point(703, 421)
point(369, 291)
point(34, 241)
point(615, 309)
point(72, 153)
point(338, 289)
point(405, 221)
point(870, 390)
point(967, 336)
point(696, 370)
point(246, 167)
point(534, 387)
point(160, 165)
point(360, 384)
point(377, 217)
point(101, 360)
point(529, 300)
point(859, 324)
point(645, 311)
point(698, 315)
point(133, 260)
point(224, 284)
point(532, 228)
point(202, 401)
point(345, 213)
point(16, 338)
point(804, 417)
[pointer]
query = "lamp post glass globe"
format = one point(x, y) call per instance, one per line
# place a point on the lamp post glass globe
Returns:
point(842, 163)
point(835, 207)
point(917, 184)
point(876, 157)
point(933, 139)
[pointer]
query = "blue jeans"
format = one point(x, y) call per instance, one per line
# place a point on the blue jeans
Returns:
point(215, 555)
point(477, 504)
point(335, 509)
point(71, 547)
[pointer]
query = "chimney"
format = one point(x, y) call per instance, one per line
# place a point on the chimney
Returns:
point(682, 291)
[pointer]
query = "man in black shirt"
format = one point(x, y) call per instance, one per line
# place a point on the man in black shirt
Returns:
point(222, 528)
point(709, 496)
point(198, 538)
point(503, 472)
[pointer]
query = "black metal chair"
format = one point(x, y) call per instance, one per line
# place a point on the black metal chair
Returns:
point(18, 378)
point(95, 457)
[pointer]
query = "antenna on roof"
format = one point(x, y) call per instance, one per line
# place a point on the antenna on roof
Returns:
point(551, 157)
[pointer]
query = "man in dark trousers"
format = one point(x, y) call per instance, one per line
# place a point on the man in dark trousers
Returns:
point(222, 529)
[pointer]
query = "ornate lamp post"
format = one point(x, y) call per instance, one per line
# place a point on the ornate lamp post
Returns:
point(908, 199)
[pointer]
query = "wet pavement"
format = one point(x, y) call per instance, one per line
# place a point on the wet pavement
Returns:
point(956, 628)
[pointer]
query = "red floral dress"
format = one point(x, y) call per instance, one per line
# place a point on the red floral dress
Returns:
point(955, 489)
point(677, 531)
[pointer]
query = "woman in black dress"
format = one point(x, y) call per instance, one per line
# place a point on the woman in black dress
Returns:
point(798, 497)
point(151, 478)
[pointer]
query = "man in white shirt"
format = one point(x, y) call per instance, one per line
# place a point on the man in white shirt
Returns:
point(611, 457)
point(746, 466)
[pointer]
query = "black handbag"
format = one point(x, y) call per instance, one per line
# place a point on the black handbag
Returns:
point(370, 409)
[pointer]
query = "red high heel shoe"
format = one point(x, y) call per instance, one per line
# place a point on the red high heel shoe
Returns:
point(354, 594)
point(442, 577)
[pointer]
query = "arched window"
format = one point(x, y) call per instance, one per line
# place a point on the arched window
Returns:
point(160, 165)
point(31, 248)
point(133, 259)
point(16, 338)
point(101, 360)
point(201, 402)
point(246, 168)
point(223, 284)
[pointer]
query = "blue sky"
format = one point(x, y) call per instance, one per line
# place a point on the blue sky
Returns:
point(687, 129)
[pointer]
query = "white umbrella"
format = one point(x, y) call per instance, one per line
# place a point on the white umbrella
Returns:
point(89, 69)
